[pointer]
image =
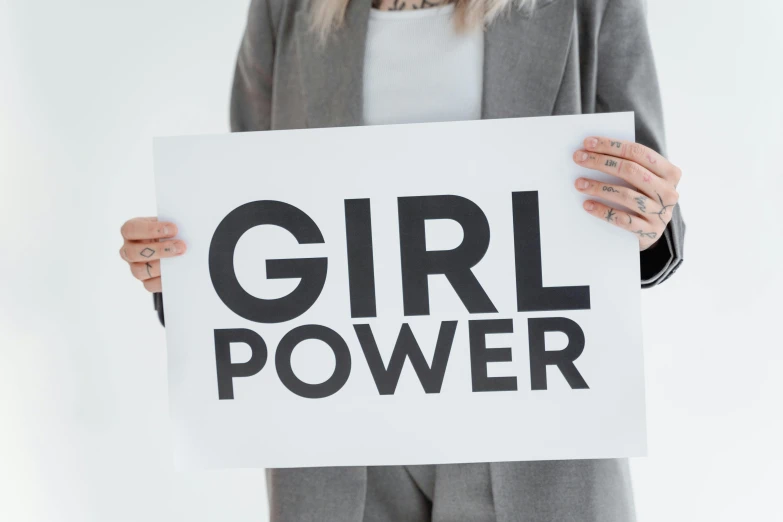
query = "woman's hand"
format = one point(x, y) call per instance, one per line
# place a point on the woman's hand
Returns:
point(146, 241)
point(653, 177)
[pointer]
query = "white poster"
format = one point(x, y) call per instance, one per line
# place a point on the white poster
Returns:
point(404, 294)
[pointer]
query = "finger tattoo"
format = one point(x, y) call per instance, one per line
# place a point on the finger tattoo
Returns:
point(607, 188)
point(148, 269)
point(641, 203)
point(611, 163)
point(147, 252)
point(610, 214)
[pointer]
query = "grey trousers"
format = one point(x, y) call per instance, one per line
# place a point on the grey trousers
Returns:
point(546, 491)
point(423, 493)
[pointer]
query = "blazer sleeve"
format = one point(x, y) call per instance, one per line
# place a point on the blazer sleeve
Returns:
point(628, 81)
point(251, 92)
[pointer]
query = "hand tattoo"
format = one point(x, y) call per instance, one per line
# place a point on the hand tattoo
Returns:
point(642, 233)
point(662, 212)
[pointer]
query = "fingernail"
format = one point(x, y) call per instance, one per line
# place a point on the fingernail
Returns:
point(178, 248)
point(166, 231)
point(582, 184)
point(591, 143)
point(580, 156)
point(589, 205)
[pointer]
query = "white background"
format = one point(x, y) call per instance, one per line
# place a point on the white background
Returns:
point(84, 430)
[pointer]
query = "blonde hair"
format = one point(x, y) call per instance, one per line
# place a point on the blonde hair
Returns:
point(327, 15)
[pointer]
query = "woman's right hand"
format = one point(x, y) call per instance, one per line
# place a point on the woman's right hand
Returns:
point(146, 241)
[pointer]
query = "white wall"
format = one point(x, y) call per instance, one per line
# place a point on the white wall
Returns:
point(84, 434)
point(712, 336)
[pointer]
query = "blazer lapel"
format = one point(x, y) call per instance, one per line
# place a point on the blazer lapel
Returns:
point(332, 73)
point(524, 59)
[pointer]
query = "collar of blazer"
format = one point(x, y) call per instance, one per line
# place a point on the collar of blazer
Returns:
point(525, 53)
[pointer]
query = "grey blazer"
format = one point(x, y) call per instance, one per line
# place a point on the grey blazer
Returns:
point(563, 57)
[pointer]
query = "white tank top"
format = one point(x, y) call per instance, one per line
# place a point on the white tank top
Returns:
point(418, 68)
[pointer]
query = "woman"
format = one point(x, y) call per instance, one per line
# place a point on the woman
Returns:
point(346, 62)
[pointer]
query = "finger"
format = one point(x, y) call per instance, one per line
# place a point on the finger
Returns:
point(142, 252)
point(627, 170)
point(147, 228)
point(646, 232)
point(153, 285)
point(627, 197)
point(636, 152)
point(146, 270)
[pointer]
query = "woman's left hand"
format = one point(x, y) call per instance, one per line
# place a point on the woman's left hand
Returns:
point(653, 178)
